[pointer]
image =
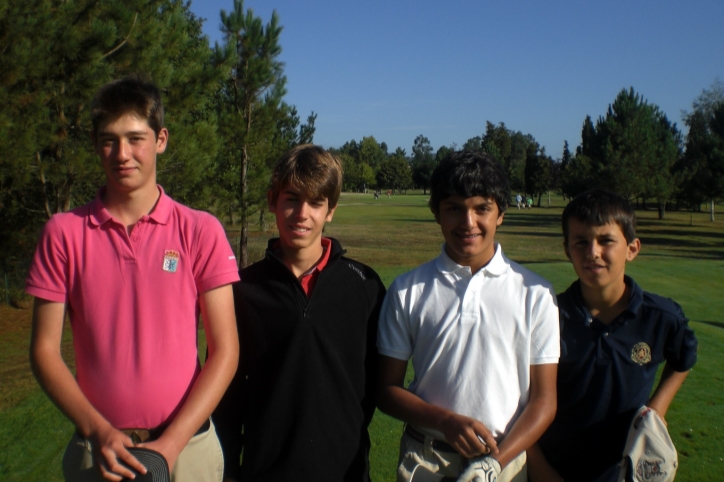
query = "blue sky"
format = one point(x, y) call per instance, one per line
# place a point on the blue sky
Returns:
point(396, 69)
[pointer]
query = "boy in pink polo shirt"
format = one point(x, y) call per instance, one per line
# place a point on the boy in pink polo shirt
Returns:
point(134, 270)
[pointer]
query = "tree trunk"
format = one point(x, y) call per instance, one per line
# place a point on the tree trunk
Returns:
point(711, 210)
point(662, 209)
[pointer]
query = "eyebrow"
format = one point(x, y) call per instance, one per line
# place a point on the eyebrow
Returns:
point(127, 134)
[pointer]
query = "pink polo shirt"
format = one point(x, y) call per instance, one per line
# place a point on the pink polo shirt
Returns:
point(133, 302)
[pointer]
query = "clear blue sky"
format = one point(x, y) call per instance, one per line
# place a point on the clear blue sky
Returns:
point(394, 69)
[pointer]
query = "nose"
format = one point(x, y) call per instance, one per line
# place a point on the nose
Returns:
point(467, 219)
point(303, 210)
point(594, 250)
point(123, 150)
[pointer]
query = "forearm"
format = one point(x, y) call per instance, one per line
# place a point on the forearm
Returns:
point(217, 312)
point(536, 416)
point(58, 383)
point(526, 431)
point(52, 373)
point(204, 396)
point(665, 392)
point(404, 405)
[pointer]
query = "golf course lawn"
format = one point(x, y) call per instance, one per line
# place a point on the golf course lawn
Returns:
point(682, 257)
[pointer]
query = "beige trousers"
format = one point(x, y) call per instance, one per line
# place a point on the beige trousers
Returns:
point(449, 464)
point(200, 461)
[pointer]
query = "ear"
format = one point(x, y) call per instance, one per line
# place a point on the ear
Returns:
point(499, 221)
point(634, 248)
point(565, 248)
point(330, 215)
point(270, 201)
point(161, 141)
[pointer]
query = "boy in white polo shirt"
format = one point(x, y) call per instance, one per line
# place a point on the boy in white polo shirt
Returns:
point(482, 332)
point(133, 270)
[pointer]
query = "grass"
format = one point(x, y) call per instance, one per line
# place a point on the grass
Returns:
point(682, 257)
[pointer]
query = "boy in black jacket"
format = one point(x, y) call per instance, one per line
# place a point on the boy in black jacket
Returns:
point(303, 395)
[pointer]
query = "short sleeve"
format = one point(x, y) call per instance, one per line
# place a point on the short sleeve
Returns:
point(545, 339)
point(215, 263)
point(48, 275)
point(393, 334)
point(681, 344)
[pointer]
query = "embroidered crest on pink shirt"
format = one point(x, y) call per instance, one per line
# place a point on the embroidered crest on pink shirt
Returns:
point(170, 260)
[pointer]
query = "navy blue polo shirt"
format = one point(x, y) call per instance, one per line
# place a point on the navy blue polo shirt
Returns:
point(606, 372)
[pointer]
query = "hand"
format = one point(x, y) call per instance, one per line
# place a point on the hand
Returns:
point(166, 448)
point(666, 424)
point(481, 469)
point(468, 436)
point(109, 449)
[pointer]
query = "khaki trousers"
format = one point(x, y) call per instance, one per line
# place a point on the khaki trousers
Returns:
point(449, 464)
point(200, 461)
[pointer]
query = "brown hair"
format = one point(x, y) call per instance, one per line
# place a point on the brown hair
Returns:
point(132, 94)
point(598, 207)
point(311, 169)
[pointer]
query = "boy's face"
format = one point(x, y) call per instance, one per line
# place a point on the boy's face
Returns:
point(468, 226)
point(128, 147)
point(300, 219)
point(599, 253)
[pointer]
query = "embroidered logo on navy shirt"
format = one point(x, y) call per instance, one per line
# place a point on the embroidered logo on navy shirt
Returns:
point(170, 260)
point(641, 353)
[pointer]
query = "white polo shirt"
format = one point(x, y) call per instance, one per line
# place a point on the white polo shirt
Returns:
point(472, 338)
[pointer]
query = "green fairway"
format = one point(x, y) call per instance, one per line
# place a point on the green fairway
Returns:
point(682, 257)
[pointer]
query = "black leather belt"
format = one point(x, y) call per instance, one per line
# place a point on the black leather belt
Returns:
point(141, 435)
point(437, 444)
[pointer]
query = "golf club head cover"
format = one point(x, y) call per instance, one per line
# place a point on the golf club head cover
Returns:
point(481, 469)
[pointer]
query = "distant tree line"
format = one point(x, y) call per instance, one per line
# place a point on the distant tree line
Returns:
point(229, 122)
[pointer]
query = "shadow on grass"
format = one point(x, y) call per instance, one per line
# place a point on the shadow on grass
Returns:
point(690, 232)
point(718, 324)
point(703, 255)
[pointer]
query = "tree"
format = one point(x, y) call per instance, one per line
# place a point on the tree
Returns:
point(423, 163)
point(394, 173)
point(703, 161)
point(55, 55)
point(537, 171)
point(371, 152)
point(633, 150)
point(250, 108)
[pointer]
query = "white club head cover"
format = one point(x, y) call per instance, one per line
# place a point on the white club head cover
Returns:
point(481, 469)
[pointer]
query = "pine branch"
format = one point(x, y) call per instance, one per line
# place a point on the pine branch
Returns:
point(115, 49)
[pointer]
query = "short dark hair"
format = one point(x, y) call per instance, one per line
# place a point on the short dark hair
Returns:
point(132, 94)
point(311, 169)
point(469, 174)
point(598, 207)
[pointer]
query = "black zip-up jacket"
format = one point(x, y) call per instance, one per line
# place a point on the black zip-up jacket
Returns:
point(303, 395)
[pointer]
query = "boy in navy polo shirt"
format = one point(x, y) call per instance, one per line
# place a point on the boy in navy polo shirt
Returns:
point(614, 336)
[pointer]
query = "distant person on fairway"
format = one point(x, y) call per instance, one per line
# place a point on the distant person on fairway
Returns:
point(519, 200)
point(303, 396)
point(133, 270)
point(482, 332)
point(614, 336)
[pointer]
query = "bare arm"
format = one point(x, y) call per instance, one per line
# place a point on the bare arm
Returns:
point(58, 382)
point(537, 414)
point(665, 392)
point(217, 311)
point(394, 399)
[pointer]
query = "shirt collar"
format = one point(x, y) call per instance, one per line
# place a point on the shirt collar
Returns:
point(497, 266)
point(160, 214)
point(636, 299)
